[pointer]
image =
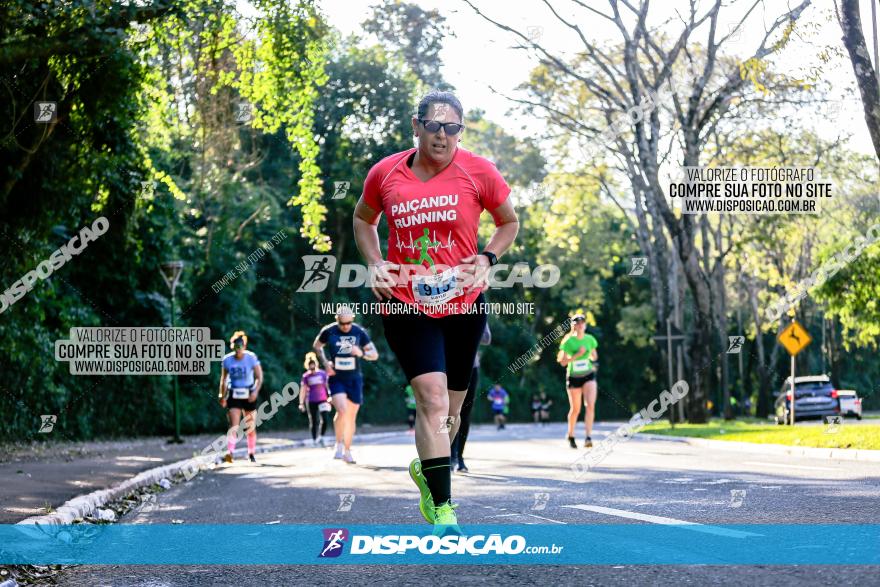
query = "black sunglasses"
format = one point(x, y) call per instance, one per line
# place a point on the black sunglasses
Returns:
point(345, 323)
point(451, 128)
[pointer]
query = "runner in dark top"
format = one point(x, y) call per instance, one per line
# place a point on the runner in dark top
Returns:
point(347, 343)
point(499, 398)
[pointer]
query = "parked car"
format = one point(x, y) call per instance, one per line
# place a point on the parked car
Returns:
point(850, 403)
point(815, 397)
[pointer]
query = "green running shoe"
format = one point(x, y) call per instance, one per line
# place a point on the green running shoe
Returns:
point(445, 521)
point(426, 502)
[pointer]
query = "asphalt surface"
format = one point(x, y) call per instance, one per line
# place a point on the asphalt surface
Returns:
point(640, 477)
point(40, 476)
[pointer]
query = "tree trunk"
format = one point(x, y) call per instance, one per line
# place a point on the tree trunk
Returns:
point(866, 76)
point(762, 407)
point(834, 351)
point(723, 343)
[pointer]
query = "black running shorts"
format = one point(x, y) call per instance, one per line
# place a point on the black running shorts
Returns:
point(580, 380)
point(427, 345)
point(241, 404)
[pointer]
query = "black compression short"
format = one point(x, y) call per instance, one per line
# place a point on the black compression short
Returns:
point(426, 345)
point(580, 380)
point(241, 404)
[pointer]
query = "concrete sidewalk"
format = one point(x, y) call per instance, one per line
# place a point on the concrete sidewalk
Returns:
point(41, 476)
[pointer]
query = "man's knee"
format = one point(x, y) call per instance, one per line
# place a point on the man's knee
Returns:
point(433, 400)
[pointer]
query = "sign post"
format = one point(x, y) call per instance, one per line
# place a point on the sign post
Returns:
point(672, 334)
point(794, 338)
point(170, 272)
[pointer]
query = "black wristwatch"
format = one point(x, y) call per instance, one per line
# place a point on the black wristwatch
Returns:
point(493, 260)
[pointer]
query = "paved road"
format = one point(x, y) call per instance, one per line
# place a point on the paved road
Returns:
point(641, 477)
point(38, 476)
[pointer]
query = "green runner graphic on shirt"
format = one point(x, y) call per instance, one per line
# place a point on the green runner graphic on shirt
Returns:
point(424, 243)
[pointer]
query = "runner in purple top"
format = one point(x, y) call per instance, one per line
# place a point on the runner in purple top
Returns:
point(313, 388)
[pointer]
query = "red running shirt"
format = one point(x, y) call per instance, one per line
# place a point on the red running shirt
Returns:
point(433, 224)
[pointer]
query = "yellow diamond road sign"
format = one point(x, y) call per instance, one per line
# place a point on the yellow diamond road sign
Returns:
point(794, 338)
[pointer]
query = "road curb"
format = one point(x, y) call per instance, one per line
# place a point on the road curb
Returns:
point(843, 454)
point(84, 505)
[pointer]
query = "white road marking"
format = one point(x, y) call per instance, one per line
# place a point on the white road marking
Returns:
point(784, 466)
point(663, 521)
point(532, 515)
point(483, 476)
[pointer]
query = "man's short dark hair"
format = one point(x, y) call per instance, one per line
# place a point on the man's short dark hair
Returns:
point(435, 96)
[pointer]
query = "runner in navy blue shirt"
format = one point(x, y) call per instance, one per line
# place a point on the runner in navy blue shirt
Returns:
point(499, 398)
point(346, 343)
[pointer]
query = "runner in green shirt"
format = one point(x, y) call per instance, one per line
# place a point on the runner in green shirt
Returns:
point(577, 353)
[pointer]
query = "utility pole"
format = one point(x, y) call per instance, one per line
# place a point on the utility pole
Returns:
point(170, 272)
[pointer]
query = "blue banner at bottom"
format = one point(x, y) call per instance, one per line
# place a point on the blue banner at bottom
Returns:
point(599, 544)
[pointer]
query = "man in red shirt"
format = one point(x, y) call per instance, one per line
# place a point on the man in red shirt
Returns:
point(434, 276)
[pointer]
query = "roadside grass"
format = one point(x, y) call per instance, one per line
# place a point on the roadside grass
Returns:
point(865, 436)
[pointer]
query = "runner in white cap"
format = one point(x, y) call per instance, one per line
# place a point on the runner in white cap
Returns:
point(577, 353)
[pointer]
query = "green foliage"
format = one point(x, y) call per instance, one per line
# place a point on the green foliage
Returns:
point(414, 33)
point(149, 133)
point(852, 296)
